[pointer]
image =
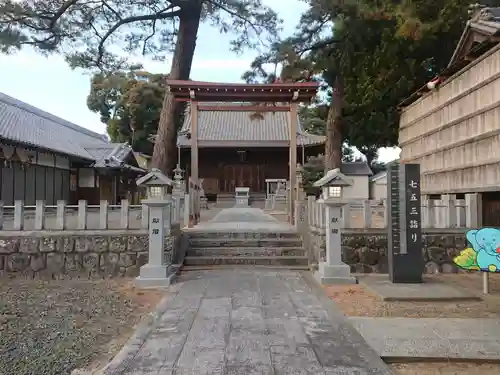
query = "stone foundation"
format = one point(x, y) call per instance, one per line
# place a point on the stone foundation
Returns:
point(84, 254)
point(366, 251)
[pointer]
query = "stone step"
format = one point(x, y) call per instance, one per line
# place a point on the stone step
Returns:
point(240, 267)
point(246, 251)
point(244, 243)
point(246, 260)
point(242, 235)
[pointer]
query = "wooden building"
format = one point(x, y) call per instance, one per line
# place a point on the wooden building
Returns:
point(242, 148)
point(241, 144)
point(43, 157)
point(451, 126)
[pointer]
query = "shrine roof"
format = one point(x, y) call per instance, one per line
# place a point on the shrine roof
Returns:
point(240, 128)
point(231, 92)
point(480, 36)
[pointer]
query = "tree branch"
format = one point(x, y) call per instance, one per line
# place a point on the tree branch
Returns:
point(234, 14)
point(153, 32)
point(161, 15)
point(105, 3)
point(61, 12)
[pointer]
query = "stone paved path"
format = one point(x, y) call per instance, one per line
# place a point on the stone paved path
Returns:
point(243, 219)
point(247, 322)
point(432, 338)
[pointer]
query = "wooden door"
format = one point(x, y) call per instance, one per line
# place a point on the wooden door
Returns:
point(242, 175)
point(106, 189)
point(491, 209)
point(228, 179)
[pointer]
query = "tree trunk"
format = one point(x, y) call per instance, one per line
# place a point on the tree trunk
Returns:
point(164, 153)
point(333, 147)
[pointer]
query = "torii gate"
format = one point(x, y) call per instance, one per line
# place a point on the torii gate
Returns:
point(287, 94)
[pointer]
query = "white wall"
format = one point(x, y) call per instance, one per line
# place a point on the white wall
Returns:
point(359, 189)
point(43, 159)
point(378, 188)
point(86, 177)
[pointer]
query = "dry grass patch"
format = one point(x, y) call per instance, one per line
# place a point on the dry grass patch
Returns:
point(358, 300)
point(52, 327)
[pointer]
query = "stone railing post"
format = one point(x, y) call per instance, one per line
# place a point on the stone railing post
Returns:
point(173, 214)
point(103, 214)
point(430, 213)
point(321, 216)
point(367, 213)
point(82, 215)
point(346, 215)
point(18, 215)
point(144, 216)
point(310, 211)
point(168, 217)
point(185, 212)
point(124, 214)
point(460, 212)
point(449, 202)
point(60, 215)
point(39, 214)
point(473, 213)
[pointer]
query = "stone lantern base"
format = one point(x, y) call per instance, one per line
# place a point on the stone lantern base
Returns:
point(334, 274)
point(155, 276)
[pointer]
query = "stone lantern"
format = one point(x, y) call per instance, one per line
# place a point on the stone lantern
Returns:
point(155, 272)
point(178, 181)
point(333, 270)
point(156, 183)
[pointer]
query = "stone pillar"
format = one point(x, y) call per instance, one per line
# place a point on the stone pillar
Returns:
point(156, 273)
point(333, 270)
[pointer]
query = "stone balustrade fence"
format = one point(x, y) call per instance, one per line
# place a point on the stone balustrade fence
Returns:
point(451, 213)
point(89, 217)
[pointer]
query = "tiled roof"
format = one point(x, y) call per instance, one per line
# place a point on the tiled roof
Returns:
point(378, 176)
point(227, 126)
point(356, 168)
point(23, 123)
point(109, 155)
point(484, 20)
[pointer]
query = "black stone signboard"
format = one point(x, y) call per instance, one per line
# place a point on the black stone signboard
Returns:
point(406, 262)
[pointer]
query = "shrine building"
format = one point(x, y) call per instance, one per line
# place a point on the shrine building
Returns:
point(242, 135)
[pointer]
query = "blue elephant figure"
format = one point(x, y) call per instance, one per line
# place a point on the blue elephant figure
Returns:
point(486, 243)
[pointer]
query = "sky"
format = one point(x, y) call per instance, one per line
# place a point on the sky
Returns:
point(49, 84)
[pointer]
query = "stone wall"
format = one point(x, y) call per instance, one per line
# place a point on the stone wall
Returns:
point(84, 254)
point(366, 250)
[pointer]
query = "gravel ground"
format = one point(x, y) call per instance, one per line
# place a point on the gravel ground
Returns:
point(53, 327)
point(445, 369)
point(357, 300)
